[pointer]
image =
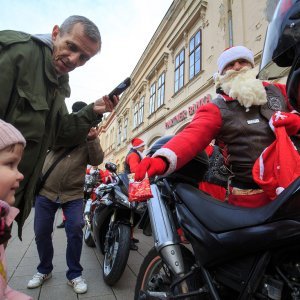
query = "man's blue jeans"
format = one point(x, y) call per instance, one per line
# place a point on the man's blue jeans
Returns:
point(45, 210)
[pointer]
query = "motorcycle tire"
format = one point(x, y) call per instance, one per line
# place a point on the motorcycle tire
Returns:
point(88, 238)
point(115, 259)
point(150, 278)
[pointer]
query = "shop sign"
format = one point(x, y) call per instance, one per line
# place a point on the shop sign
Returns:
point(189, 111)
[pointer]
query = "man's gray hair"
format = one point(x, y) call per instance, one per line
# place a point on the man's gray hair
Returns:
point(90, 29)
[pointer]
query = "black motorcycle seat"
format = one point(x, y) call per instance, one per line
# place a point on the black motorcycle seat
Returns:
point(219, 216)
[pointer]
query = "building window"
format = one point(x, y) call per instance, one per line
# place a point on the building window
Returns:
point(152, 99)
point(135, 115)
point(179, 71)
point(138, 112)
point(195, 54)
point(141, 111)
point(119, 134)
point(161, 90)
point(125, 129)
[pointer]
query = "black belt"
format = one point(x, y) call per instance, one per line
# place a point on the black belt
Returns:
point(244, 185)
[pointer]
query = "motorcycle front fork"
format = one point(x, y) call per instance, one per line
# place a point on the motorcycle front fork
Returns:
point(109, 233)
point(165, 235)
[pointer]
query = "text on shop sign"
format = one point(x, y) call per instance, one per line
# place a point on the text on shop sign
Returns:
point(189, 111)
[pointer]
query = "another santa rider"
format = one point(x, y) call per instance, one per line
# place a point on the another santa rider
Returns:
point(238, 118)
point(134, 156)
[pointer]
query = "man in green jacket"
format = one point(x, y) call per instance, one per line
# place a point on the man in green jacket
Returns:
point(34, 84)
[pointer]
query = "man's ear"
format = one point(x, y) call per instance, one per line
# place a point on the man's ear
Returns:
point(55, 32)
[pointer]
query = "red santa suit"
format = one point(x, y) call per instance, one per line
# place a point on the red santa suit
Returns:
point(134, 156)
point(105, 176)
point(208, 125)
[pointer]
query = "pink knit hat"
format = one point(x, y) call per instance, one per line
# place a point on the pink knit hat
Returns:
point(233, 53)
point(9, 135)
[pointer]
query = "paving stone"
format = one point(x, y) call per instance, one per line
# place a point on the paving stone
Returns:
point(102, 297)
point(26, 270)
point(62, 291)
point(19, 282)
point(34, 293)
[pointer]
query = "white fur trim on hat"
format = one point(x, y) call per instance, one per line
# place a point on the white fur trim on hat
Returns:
point(231, 54)
point(140, 145)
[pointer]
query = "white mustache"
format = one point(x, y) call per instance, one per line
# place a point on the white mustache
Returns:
point(243, 86)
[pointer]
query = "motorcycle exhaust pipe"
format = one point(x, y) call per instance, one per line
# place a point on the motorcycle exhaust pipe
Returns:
point(164, 232)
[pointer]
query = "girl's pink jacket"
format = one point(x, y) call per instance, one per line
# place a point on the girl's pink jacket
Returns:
point(6, 293)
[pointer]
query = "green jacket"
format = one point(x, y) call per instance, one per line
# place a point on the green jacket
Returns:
point(32, 98)
point(66, 180)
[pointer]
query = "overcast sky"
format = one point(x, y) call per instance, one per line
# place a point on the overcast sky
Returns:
point(126, 27)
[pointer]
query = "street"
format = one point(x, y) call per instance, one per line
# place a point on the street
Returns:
point(22, 259)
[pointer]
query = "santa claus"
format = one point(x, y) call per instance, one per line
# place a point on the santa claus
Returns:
point(238, 118)
point(134, 156)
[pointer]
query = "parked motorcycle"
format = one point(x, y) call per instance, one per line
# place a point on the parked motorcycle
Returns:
point(236, 252)
point(91, 181)
point(110, 222)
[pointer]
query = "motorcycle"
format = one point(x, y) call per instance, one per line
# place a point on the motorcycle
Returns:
point(91, 181)
point(111, 222)
point(90, 203)
point(234, 253)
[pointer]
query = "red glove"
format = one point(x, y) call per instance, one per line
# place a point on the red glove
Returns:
point(150, 165)
point(290, 121)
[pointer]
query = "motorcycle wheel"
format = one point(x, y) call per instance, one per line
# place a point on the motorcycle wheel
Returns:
point(155, 276)
point(115, 259)
point(88, 239)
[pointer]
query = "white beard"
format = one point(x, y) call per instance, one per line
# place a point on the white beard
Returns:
point(242, 86)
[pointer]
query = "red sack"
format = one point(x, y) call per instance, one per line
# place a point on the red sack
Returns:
point(278, 165)
point(139, 190)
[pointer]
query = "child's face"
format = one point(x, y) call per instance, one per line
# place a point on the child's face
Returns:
point(10, 177)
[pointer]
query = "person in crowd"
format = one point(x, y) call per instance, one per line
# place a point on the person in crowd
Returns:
point(105, 176)
point(132, 160)
point(34, 84)
point(64, 187)
point(215, 181)
point(134, 156)
point(12, 144)
point(238, 118)
point(91, 181)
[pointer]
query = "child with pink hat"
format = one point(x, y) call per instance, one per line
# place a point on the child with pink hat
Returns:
point(12, 144)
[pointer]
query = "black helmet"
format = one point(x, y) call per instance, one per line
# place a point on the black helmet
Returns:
point(111, 167)
point(158, 144)
point(193, 171)
point(282, 36)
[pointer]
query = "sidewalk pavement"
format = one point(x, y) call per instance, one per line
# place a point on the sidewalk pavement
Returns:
point(22, 259)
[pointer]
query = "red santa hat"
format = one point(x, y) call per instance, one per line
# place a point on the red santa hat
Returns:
point(233, 53)
point(137, 143)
